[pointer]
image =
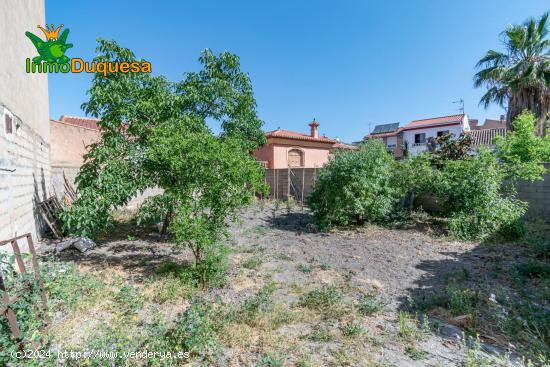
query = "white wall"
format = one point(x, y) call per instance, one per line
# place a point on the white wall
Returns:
point(391, 141)
point(408, 136)
point(25, 154)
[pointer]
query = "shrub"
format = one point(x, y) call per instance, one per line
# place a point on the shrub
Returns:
point(355, 187)
point(474, 200)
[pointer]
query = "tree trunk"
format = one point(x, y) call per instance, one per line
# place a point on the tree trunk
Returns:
point(165, 223)
point(537, 100)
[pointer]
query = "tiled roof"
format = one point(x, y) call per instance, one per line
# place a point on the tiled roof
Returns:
point(443, 120)
point(344, 146)
point(486, 136)
point(286, 134)
point(85, 122)
point(385, 128)
point(493, 124)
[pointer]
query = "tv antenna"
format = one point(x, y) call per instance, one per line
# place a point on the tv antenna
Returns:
point(460, 105)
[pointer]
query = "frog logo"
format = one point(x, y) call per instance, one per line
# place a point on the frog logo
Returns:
point(52, 51)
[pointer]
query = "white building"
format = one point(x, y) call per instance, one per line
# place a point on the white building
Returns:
point(416, 133)
point(414, 136)
point(24, 122)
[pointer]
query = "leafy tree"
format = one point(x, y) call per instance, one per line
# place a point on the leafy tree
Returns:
point(522, 151)
point(519, 77)
point(355, 187)
point(154, 133)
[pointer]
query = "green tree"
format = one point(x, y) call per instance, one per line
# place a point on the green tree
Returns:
point(154, 133)
point(519, 77)
point(522, 151)
point(355, 187)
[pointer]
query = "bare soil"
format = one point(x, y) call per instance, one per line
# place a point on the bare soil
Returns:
point(394, 264)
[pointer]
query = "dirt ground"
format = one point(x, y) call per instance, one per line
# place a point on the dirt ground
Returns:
point(281, 245)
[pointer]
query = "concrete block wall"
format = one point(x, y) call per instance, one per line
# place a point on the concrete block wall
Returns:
point(537, 194)
point(24, 179)
point(25, 153)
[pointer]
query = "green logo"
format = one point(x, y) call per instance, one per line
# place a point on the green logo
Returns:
point(52, 50)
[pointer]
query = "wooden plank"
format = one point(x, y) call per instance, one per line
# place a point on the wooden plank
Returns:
point(38, 277)
point(18, 257)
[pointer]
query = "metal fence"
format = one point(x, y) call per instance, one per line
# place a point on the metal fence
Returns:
point(296, 183)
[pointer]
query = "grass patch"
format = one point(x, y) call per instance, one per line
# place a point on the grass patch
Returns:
point(320, 334)
point(369, 305)
point(322, 298)
point(261, 302)
point(409, 329)
point(304, 268)
point(415, 353)
point(351, 329)
point(253, 262)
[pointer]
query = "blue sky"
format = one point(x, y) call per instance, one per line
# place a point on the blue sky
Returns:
point(349, 64)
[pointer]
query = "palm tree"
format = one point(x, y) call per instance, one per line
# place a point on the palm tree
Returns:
point(519, 77)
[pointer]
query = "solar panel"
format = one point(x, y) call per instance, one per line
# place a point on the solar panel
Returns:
point(386, 128)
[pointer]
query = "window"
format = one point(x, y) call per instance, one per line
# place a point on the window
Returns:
point(8, 121)
point(420, 138)
point(295, 158)
point(442, 133)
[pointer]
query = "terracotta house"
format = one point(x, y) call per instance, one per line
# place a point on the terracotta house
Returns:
point(70, 135)
point(290, 149)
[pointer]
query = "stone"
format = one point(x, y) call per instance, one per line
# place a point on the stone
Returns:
point(82, 244)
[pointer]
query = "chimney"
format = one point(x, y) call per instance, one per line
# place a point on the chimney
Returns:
point(314, 124)
point(502, 119)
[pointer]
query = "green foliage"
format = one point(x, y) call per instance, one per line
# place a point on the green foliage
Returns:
point(270, 361)
point(351, 329)
point(534, 269)
point(472, 192)
point(450, 147)
point(253, 262)
point(415, 353)
point(416, 174)
point(320, 334)
point(155, 209)
point(369, 305)
point(461, 301)
point(195, 331)
point(155, 133)
point(261, 302)
point(355, 187)
point(522, 151)
point(518, 78)
point(304, 268)
point(323, 298)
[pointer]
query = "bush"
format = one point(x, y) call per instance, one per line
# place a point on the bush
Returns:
point(355, 187)
point(472, 193)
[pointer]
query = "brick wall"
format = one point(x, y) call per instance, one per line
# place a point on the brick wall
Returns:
point(537, 194)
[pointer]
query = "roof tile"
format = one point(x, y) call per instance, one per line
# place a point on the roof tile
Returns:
point(286, 134)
